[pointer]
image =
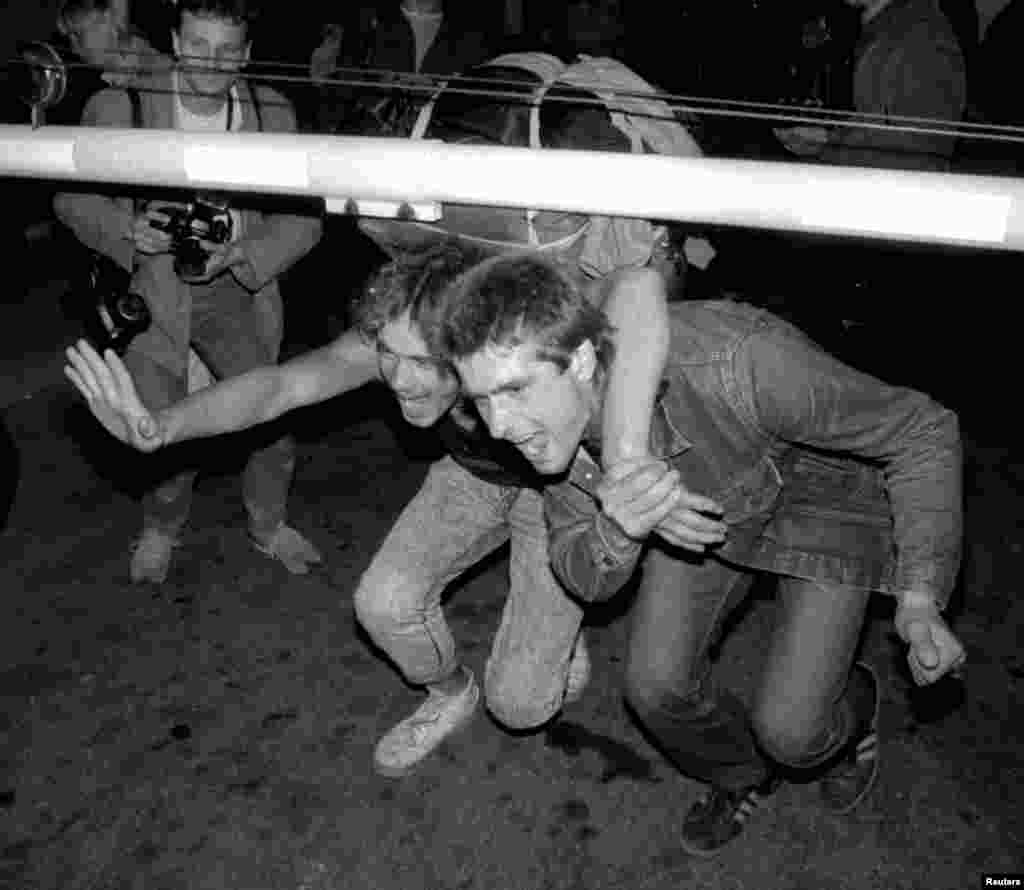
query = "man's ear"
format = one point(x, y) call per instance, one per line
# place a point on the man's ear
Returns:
point(175, 43)
point(583, 365)
point(248, 53)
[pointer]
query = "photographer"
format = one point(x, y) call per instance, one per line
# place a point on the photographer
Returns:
point(207, 270)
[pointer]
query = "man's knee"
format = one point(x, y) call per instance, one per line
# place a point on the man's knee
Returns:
point(645, 688)
point(795, 744)
point(517, 703)
point(385, 600)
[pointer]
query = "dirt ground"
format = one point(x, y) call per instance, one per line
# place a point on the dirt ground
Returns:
point(216, 733)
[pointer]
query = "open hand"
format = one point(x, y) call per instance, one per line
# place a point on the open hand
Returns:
point(108, 389)
point(146, 238)
point(934, 648)
point(695, 523)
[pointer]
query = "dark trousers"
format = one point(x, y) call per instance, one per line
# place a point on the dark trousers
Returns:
point(229, 336)
point(802, 712)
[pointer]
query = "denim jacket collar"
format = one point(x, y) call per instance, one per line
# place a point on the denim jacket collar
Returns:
point(666, 442)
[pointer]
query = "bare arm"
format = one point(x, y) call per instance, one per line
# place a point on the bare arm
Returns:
point(235, 404)
point(636, 304)
point(266, 393)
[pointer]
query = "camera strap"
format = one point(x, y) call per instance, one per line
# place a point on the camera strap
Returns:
point(254, 93)
point(136, 102)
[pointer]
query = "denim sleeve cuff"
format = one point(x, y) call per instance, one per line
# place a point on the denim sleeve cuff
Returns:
point(617, 548)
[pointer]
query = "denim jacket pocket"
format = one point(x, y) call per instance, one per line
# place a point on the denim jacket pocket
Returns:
point(834, 487)
point(752, 493)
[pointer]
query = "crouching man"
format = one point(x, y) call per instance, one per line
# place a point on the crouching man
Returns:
point(830, 480)
point(481, 494)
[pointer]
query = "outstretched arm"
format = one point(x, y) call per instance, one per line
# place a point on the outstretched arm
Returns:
point(235, 404)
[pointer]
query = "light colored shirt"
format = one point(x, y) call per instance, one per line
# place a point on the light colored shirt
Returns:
point(213, 123)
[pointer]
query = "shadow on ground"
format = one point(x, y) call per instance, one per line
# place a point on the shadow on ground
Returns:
point(217, 732)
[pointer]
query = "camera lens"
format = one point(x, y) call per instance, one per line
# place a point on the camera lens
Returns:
point(131, 307)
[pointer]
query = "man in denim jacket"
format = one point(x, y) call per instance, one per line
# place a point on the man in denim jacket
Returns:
point(831, 480)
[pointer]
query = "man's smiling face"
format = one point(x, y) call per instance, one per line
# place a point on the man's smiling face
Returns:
point(212, 51)
point(425, 386)
point(531, 401)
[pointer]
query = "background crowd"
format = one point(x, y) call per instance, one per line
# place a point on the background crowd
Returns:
point(895, 58)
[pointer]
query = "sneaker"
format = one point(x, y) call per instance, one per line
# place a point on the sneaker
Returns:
point(578, 675)
point(290, 547)
point(151, 556)
point(400, 750)
point(720, 816)
point(853, 777)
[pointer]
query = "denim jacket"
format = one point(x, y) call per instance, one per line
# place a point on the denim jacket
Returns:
point(824, 472)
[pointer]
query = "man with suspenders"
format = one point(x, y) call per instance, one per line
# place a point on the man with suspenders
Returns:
point(227, 306)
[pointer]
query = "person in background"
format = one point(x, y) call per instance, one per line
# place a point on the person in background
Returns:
point(908, 63)
point(228, 306)
point(98, 35)
point(408, 36)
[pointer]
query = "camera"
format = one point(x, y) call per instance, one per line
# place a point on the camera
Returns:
point(128, 316)
point(117, 314)
point(203, 219)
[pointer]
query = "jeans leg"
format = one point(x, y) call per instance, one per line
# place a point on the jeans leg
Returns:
point(680, 608)
point(529, 662)
point(803, 713)
point(165, 505)
point(266, 481)
point(453, 521)
point(230, 336)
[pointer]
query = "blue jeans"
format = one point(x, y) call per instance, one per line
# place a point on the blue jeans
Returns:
point(801, 713)
point(454, 521)
point(231, 338)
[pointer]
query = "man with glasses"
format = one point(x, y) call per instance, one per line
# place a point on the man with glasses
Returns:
point(224, 301)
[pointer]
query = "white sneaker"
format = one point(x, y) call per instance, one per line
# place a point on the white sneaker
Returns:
point(291, 548)
point(578, 675)
point(151, 556)
point(410, 741)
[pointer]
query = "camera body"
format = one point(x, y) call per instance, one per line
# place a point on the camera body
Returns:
point(117, 313)
point(203, 219)
point(128, 316)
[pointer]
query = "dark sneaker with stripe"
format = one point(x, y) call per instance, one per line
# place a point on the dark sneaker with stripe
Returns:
point(853, 777)
point(720, 816)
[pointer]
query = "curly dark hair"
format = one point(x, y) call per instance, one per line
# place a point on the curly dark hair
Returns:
point(511, 299)
point(414, 282)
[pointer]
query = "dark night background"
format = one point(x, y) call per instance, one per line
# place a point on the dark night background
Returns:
point(217, 732)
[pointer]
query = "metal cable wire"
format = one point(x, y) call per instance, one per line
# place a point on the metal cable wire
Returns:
point(520, 92)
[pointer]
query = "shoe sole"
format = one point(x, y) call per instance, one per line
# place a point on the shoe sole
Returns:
point(399, 772)
point(702, 853)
